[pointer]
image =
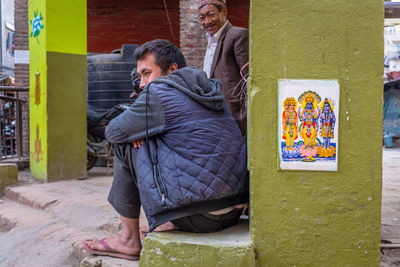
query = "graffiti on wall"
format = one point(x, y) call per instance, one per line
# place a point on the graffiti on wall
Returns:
point(38, 87)
point(37, 154)
point(308, 124)
point(36, 25)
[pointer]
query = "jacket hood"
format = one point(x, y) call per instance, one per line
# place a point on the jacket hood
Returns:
point(194, 83)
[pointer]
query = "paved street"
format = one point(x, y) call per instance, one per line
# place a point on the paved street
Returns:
point(391, 196)
point(390, 257)
point(43, 224)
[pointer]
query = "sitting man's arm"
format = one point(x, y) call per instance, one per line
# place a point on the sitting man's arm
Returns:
point(130, 126)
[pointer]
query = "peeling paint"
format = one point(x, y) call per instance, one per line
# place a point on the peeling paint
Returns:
point(158, 251)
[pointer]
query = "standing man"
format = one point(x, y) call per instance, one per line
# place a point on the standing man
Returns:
point(226, 55)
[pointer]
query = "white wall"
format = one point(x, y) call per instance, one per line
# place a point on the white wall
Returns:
point(7, 26)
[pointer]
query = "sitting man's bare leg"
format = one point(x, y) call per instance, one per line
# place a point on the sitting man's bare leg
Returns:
point(128, 242)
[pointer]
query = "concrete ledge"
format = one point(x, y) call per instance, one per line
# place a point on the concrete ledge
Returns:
point(230, 247)
point(8, 175)
point(22, 162)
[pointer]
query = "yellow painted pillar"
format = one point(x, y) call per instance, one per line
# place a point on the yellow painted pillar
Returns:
point(57, 46)
point(305, 212)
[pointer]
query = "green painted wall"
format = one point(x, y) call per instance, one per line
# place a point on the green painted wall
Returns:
point(314, 218)
point(67, 26)
point(58, 89)
point(66, 112)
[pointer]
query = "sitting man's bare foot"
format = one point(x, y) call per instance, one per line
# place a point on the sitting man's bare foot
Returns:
point(163, 227)
point(120, 244)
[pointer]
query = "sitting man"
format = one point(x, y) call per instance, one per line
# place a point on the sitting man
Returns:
point(178, 152)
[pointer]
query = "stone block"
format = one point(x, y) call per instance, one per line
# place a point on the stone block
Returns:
point(230, 247)
point(103, 261)
point(91, 261)
point(8, 175)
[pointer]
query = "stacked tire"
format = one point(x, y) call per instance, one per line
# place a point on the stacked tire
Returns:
point(108, 78)
point(108, 84)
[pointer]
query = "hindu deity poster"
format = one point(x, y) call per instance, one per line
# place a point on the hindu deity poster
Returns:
point(308, 124)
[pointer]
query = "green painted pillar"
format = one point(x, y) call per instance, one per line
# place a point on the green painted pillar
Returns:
point(317, 218)
point(57, 46)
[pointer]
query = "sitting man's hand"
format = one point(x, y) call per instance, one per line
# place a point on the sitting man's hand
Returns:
point(138, 143)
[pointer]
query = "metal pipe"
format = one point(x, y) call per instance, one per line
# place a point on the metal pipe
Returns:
point(18, 121)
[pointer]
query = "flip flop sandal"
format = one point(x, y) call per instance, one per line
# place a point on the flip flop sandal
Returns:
point(110, 252)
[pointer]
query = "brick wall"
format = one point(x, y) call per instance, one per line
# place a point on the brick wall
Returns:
point(193, 42)
point(21, 24)
point(113, 23)
point(21, 71)
point(238, 12)
point(192, 36)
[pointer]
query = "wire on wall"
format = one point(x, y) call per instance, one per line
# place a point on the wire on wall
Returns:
point(169, 21)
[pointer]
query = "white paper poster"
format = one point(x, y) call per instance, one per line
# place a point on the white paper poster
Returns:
point(21, 56)
point(308, 124)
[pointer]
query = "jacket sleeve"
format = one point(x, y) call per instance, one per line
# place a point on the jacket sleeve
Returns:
point(241, 48)
point(131, 124)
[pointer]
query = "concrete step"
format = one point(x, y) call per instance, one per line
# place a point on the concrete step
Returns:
point(22, 162)
point(46, 224)
point(8, 174)
point(230, 247)
point(13, 213)
point(82, 203)
point(33, 237)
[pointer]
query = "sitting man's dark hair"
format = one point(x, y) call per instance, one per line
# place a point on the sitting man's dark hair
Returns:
point(165, 53)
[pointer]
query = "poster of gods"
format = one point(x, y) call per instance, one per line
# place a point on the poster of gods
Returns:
point(308, 124)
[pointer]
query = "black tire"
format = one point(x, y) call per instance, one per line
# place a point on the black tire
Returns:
point(109, 78)
point(91, 161)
